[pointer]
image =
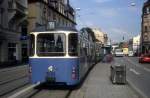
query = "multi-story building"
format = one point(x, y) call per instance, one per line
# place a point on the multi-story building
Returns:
point(42, 11)
point(145, 35)
point(100, 36)
point(136, 44)
point(12, 25)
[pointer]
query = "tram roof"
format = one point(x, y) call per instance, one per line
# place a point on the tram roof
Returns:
point(89, 31)
point(43, 29)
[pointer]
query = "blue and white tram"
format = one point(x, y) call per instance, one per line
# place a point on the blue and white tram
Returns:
point(55, 56)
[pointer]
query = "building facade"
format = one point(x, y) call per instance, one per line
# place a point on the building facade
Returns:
point(136, 44)
point(12, 24)
point(145, 35)
point(58, 11)
point(100, 36)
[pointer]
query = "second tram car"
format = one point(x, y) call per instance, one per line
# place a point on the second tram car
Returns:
point(60, 55)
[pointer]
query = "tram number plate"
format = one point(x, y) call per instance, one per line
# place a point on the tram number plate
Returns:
point(50, 77)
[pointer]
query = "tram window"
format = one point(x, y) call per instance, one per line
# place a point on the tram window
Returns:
point(32, 44)
point(51, 44)
point(73, 44)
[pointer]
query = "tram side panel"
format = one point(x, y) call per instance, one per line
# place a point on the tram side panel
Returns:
point(85, 57)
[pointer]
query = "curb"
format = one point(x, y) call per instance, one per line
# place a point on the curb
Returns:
point(138, 91)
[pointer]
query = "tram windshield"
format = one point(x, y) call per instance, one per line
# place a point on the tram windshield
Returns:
point(51, 44)
point(73, 44)
point(32, 44)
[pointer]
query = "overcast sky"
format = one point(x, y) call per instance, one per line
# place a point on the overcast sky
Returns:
point(115, 17)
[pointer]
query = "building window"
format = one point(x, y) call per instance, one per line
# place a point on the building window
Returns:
point(144, 11)
point(49, 15)
point(12, 51)
point(145, 38)
point(45, 1)
point(146, 34)
point(24, 52)
point(63, 22)
point(1, 16)
point(10, 25)
point(145, 28)
point(10, 4)
point(54, 17)
point(147, 10)
point(24, 31)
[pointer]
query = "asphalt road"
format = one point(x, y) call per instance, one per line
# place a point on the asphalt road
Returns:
point(137, 74)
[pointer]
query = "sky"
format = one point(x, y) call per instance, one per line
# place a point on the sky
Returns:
point(117, 18)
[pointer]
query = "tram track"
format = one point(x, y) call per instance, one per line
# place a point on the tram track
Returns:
point(12, 76)
point(43, 91)
point(33, 93)
point(11, 80)
point(8, 87)
point(13, 68)
point(68, 94)
point(12, 90)
point(50, 94)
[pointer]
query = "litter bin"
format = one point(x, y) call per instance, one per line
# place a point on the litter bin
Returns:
point(118, 74)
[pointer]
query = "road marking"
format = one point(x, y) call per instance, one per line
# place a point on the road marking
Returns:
point(134, 71)
point(132, 62)
point(146, 69)
point(23, 91)
point(135, 87)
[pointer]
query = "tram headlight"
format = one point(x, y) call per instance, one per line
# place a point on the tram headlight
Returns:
point(50, 68)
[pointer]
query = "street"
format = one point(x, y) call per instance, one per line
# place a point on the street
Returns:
point(13, 79)
point(74, 49)
point(137, 74)
point(96, 84)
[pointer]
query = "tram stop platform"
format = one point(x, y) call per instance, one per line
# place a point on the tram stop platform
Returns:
point(99, 85)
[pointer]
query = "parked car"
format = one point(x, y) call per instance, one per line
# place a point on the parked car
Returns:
point(144, 58)
point(119, 53)
point(130, 53)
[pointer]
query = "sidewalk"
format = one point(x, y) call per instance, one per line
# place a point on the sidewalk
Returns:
point(98, 85)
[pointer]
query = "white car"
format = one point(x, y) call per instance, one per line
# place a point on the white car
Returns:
point(130, 53)
point(119, 53)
